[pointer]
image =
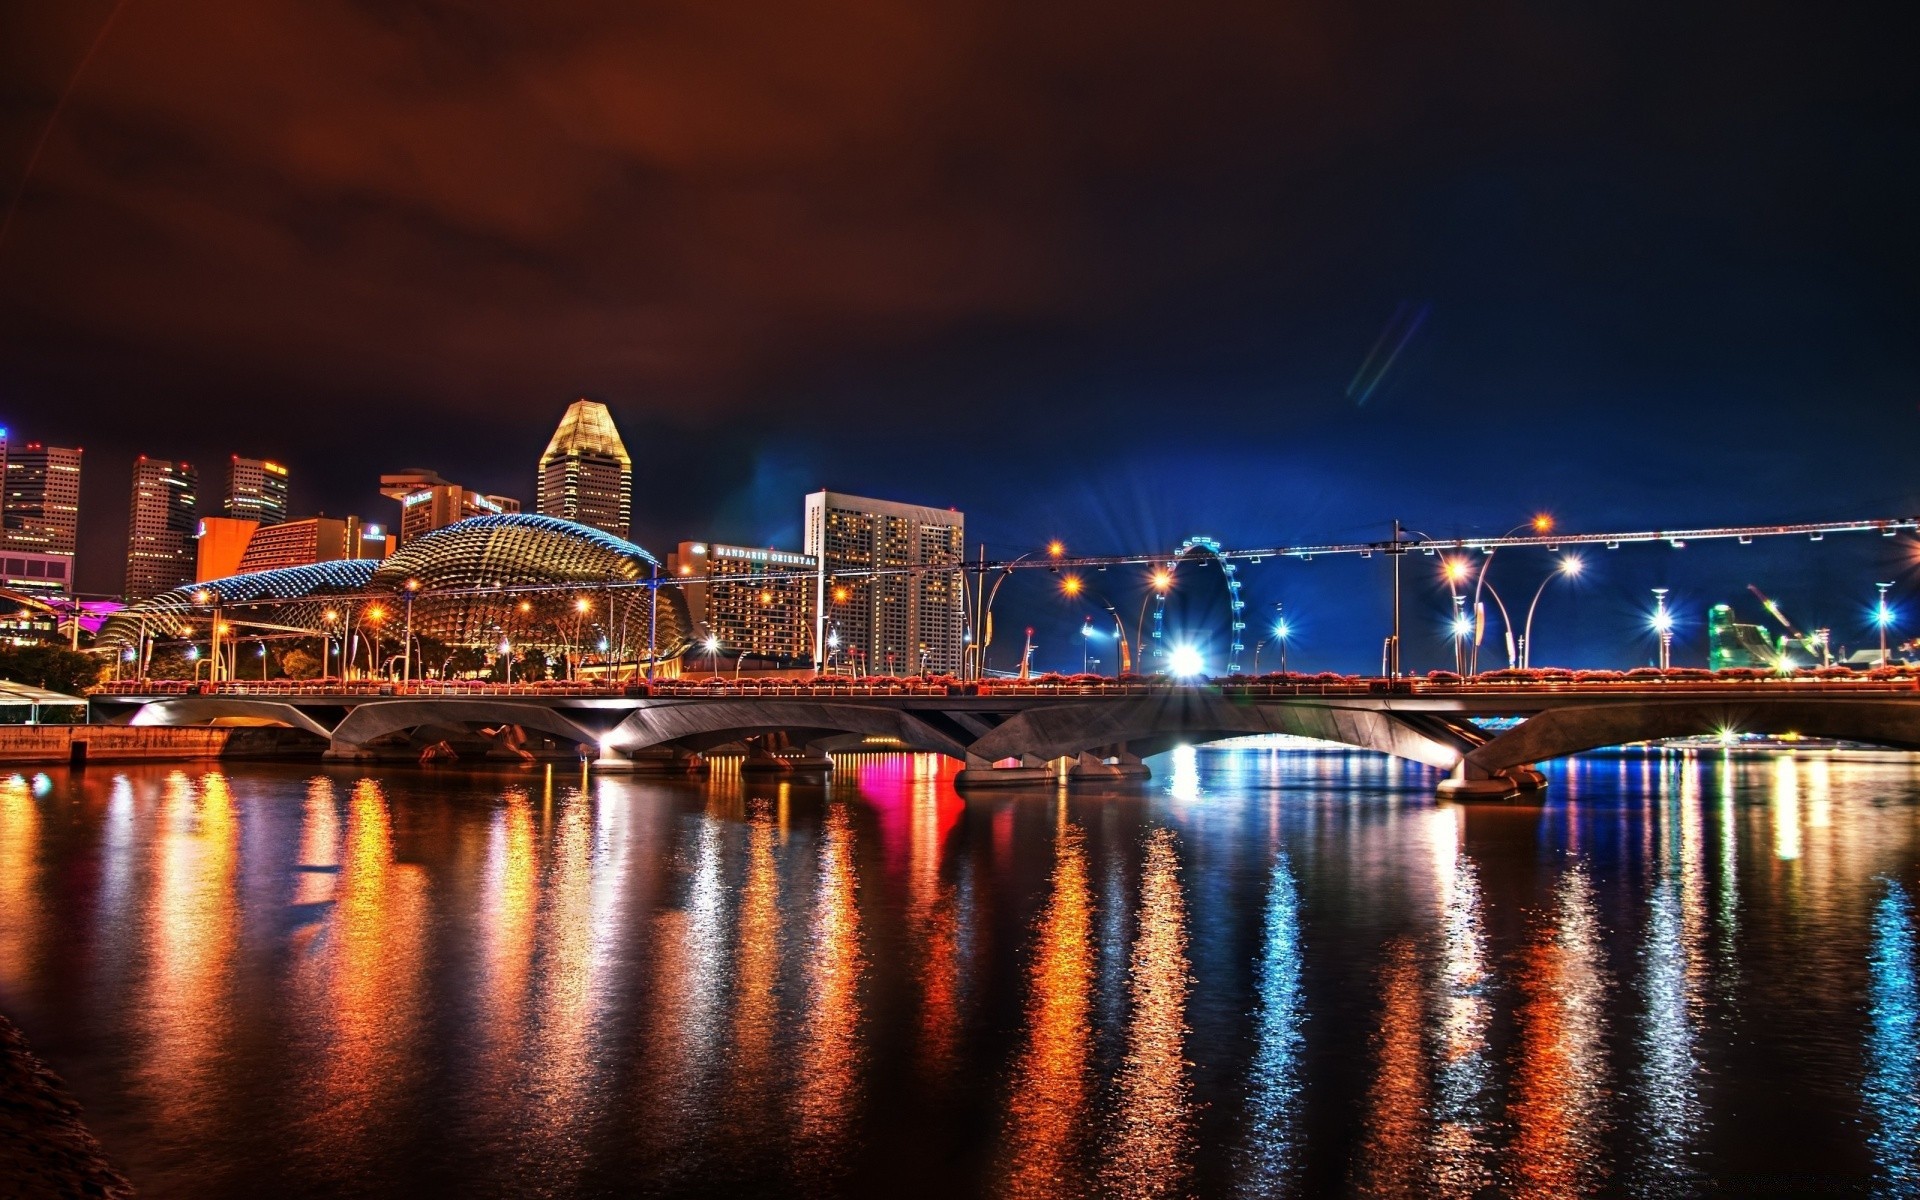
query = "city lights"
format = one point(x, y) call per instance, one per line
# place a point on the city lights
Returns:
point(1185, 662)
point(1072, 586)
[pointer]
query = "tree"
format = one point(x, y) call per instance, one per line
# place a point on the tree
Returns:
point(299, 663)
point(464, 660)
point(52, 667)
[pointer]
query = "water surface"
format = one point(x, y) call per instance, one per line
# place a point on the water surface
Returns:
point(1262, 974)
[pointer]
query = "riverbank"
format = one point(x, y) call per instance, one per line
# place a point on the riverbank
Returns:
point(27, 745)
point(45, 1148)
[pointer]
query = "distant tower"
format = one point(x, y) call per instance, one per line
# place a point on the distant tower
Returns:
point(585, 475)
point(161, 527)
point(43, 499)
point(256, 491)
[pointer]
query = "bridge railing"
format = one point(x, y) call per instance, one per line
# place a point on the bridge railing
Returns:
point(1328, 685)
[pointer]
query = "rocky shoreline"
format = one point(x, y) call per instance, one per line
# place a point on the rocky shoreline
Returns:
point(45, 1149)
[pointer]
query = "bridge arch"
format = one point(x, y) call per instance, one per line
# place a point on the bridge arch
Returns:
point(1559, 732)
point(376, 719)
point(205, 710)
point(1066, 730)
point(664, 722)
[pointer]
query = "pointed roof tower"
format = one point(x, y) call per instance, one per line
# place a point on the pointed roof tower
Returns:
point(586, 474)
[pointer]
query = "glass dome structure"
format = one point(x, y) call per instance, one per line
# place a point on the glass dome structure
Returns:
point(516, 578)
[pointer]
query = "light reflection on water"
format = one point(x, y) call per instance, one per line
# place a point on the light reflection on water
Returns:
point(1266, 974)
point(1269, 1161)
point(1047, 1104)
point(1149, 1150)
point(1561, 1071)
point(1893, 1047)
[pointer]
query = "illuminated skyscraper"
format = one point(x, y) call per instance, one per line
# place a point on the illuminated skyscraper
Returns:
point(256, 491)
point(161, 527)
point(43, 499)
point(907, 618)
point(585, 475)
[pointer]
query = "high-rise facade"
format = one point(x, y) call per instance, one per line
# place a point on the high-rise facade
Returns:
point(161, 527)
point(256, 491)
point(428, 502)
point(585, 474)
point(908, 616)
point(308, 540)
point(42, 499)
point(753, 602)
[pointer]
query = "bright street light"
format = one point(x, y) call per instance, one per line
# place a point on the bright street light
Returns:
point(1568, 566)
point(1185, 661)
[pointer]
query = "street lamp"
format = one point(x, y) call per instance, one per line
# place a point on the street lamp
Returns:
point(329, 618)
point(1072, 587)
point(1663, 625)
point(712, 646)
point(1086, 642)
point(1570, 567)
point(1883, 617)
point(406, 648)
point(1158, 584)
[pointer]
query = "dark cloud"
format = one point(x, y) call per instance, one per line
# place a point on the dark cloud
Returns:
point(1114, 264)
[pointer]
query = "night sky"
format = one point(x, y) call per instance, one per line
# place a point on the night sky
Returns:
point(1117, 273)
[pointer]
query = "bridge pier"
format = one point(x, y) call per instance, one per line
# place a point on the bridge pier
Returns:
point(654, 760)
point(1033, 771)
point(1469, 782)
point(1093, 766)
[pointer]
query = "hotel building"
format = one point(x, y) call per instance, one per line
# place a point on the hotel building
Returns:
point(753, 602)
point(428, 502)
point(903, 610)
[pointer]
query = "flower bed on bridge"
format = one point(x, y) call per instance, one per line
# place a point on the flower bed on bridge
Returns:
point(1273, 683)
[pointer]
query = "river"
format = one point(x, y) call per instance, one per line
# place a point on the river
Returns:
point(1264, 973)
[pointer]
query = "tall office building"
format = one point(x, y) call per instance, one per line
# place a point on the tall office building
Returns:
point(256, 491)
point(42, 500)
point(908, 618)
point(585, 475)
point(428, 502)
point(753, 602)
point(161, 527)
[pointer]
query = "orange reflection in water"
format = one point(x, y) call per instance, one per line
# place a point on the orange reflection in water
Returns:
point(191, 936)
point(756, 1008)
point(19, 852)
point(1393, 1157)
point(374, 966)
point(830, 1057)
point(1153, 1144)
point(1047, 1110)
point(934, 918)
point(507, 912)
point(1559, 1080)
point(558, 1065)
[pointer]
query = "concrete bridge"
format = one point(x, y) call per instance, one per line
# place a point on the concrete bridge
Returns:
point(1017, 734)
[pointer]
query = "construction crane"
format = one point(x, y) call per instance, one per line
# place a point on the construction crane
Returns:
point(1812, 644)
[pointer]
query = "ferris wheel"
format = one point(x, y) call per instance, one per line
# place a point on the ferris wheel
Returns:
point(1203, 548)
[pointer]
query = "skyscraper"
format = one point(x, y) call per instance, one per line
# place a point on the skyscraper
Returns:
point(256, 491)
point(907, 618)
point(585, 475)
point(161, 527)
point(42, 500)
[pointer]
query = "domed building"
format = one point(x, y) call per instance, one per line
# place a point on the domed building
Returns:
point(516, 580)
